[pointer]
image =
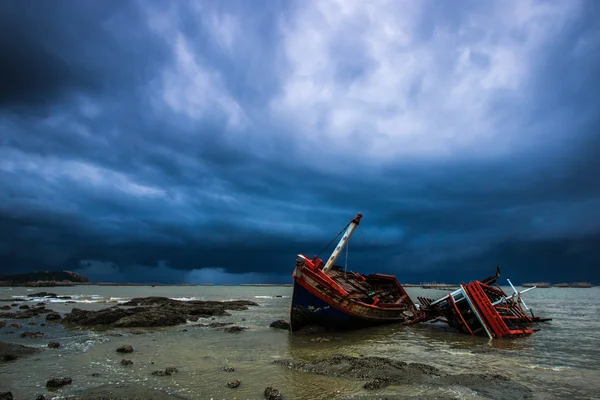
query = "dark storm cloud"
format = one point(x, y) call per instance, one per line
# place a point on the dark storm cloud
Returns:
point(177, 143)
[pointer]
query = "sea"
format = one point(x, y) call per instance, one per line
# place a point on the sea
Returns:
point(560, 361)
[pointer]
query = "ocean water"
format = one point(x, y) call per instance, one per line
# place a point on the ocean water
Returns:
point(560, 361)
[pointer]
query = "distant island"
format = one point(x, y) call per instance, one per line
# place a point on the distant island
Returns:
point(43, 279)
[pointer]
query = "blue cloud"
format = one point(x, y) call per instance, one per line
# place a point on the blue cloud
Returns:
point(226, 138)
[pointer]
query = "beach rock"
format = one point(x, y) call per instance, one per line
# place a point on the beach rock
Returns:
point(126, 362)
point(151, 318)
point(30, 312)
point(31, 323)
point(377, 384)
point(41, 303)
point(272, 394)
point(381, 372)
point(53, 345)
point(32, 335)
point(95, 374)
point(6, 396)
point(55, 383)
point(321, 339)
point(16, 325)
point(167, 372)
point(280, 324)
point(41, 397)
point(234, 329)
point(125, 349)
point(2, 324)
point(5, 308)
point(64, 297)
point(42, 294)
point(233, 384)
point(53, 316)
point(70, 302)
point(228, 369)
point(278, 295)
point(153, 312)
point(24, 307)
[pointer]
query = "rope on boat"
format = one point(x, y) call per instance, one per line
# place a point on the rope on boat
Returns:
point(332, 240)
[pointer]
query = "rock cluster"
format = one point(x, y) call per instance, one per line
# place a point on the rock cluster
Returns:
point(58, 382)
point(272, 394)
point(280, 324)
point(153, 312)
point(380, 372)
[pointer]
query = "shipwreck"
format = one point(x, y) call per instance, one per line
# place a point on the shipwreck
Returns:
point(330, 296)
point(327, 295)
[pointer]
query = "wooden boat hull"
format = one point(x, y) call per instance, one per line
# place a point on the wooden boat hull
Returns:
point(314, 303)
point(308, 309)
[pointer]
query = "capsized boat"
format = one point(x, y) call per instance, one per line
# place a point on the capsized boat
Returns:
point(482, 308)
point(329, 296)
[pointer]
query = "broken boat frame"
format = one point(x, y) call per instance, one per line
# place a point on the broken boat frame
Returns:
point(483, 308)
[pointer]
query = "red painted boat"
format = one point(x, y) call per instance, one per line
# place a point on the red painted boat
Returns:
point(329, 296)
point(482, 308)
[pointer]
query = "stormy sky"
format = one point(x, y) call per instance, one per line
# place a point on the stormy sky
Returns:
point(213, 141)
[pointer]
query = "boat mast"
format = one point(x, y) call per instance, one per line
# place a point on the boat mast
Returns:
point(343, 241)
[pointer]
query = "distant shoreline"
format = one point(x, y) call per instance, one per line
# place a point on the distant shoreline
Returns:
point(439, 286)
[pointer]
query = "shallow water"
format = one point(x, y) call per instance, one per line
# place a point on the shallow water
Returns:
point(562, 360)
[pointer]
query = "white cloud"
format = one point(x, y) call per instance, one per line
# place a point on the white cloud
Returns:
point(411, 95)
point(189, 85)
point(52, 169)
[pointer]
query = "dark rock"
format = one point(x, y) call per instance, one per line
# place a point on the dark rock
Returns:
point(42, 294)
point(320, 339)
point(233, 384)
point(16, 325)
point(2, 324)
point(32, 335)
point(53, 316)
point(153, 312)
point(70, 302)
point(31, 323)
point(377, 384)
point(16, 304)
point(24, 307)
point(278, 295)
point(5, 308)
point(27, 313)
point(125, 349)
point(58, 382)
point(64, 297)
point(280, 324)
point(95, 374)
point(137, 332)
point(41, 397)
point(54, 345)
point(41, 304)
point(272, 394)
point(234, 329)
point(228, 369)
point(381, 372)
point(6, 396)
point(126, 362)
point(168, 371)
